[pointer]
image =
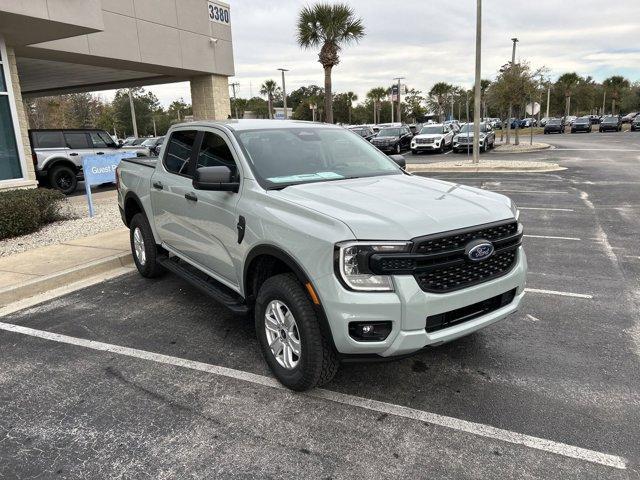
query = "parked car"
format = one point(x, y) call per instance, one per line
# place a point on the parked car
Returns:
point(137, 144)
point(514, 122)
point(594, 119)
point(58, 154)
point(277, 219)
point(463, 140)
point(153, 144)
point(365, 131)
point(528, 122)
point(454, 124)
point(544, 120)
point(611, 123)
point(495, 123)
point(568, 120)
point(393, 139)
point(628, 118)
point(635, 124)
point(582, 124)
point(554, 125)
point(432, 137)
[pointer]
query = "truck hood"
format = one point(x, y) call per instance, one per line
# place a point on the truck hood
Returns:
point(399, 207)
point(429, 135)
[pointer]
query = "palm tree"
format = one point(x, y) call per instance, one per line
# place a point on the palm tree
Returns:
point(269, 89)
point(615, 85)
point(329, 27)
point(438, 96)
point(567, 82)
point(376, 95)
point(351, 97)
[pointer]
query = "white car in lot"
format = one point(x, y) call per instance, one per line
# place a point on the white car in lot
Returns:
point(432, 137)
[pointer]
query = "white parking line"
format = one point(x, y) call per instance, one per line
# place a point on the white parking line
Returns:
point(542, 192)
point(473, 428)
point(546, 208)
point(554, 292)
point(550, 237)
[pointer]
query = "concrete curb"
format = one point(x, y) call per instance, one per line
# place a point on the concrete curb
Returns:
point(524, 150)
point(483, 169)
point(37, 286)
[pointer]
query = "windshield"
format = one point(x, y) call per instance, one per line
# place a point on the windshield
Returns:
point(610, 120)
point(389, 132)
point(291, 156)
point(427, 130)
point(555, 121)
point(149, 142)
point(468, 128)
point(583, 120)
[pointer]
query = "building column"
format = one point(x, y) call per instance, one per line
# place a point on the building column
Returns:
point(210, 97)
point(23, 123)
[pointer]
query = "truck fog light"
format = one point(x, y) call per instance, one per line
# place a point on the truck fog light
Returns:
point(369, 331)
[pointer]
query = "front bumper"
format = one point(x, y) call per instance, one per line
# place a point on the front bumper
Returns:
point(386, 148)
point(408, 308)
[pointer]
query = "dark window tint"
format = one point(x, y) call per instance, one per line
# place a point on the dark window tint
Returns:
point(77, 140)
point(97, 141)
point(215, 152)
point(48, 140)
point(179, 151)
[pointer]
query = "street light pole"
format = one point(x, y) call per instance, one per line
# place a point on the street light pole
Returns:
point(133, 115)
point(513, 62)
point(398, 79)
point(548, 97)
point(284, 92)
point(235, 104)
point(478, 94)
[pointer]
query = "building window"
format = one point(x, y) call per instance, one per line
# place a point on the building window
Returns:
point(10, 165)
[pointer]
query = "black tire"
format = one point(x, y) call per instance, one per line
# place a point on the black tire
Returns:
point(63, 178)
point(318, 362)
point(148, 266)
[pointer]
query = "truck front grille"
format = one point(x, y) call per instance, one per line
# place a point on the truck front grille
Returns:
point(440, 263)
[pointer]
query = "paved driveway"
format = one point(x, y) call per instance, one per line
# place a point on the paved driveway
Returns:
point(134, 378)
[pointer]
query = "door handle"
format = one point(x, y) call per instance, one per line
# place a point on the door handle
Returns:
point(191, 196)
point(158, 185)
point(99, 153)
point(73, 154)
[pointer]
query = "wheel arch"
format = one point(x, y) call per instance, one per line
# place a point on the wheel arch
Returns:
point(266, 251)
point(56, 161)
point(132, 206)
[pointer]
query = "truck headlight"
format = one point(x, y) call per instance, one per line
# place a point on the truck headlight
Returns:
point(352, 264)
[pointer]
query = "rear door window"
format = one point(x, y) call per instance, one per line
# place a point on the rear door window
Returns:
point(48, 140)
point(178, 151)
point(77, 140)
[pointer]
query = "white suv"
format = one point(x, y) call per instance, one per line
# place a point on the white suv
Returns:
point(432, 137)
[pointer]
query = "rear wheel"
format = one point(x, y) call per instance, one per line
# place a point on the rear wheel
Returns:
point(143, 247)
point(290, 337)
point(63, 178)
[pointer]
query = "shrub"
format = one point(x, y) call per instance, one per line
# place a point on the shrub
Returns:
point(25, 211)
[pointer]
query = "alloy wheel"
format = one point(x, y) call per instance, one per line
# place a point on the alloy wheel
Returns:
point(282, 333)
point(138, 246)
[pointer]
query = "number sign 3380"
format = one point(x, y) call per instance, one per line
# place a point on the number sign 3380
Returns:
point(219, 13)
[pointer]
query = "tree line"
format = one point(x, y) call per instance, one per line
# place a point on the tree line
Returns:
point(87, 110)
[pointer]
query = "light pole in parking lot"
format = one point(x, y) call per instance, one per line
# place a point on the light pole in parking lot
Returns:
point(235, 104)
point(399, 120)
point(133, 115)
point(478, 90)
point(284, 93)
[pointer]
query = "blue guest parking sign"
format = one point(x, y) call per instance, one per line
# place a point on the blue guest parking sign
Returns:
point(99, 169)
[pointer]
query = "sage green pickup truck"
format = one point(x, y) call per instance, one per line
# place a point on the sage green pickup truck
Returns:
point(337, 252)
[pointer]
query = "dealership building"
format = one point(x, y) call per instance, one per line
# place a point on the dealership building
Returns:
point(51, 47)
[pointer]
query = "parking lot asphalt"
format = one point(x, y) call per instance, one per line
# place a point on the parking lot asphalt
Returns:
point(563, 370)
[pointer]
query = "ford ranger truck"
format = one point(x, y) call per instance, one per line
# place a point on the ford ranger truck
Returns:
point(336, 251)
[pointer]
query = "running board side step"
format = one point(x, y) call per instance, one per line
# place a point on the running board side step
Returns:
point(205, 283)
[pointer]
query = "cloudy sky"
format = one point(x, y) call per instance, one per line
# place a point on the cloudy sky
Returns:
point(428, 41)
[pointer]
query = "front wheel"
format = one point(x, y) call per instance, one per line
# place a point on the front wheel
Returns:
point(143, 247)
point(290, 337)
point(63, 178)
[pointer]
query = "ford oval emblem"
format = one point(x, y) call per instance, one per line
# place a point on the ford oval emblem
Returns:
point(479, 250)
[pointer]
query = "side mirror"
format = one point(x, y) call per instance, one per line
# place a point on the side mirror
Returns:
point(215, 179)
point(399, 159)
